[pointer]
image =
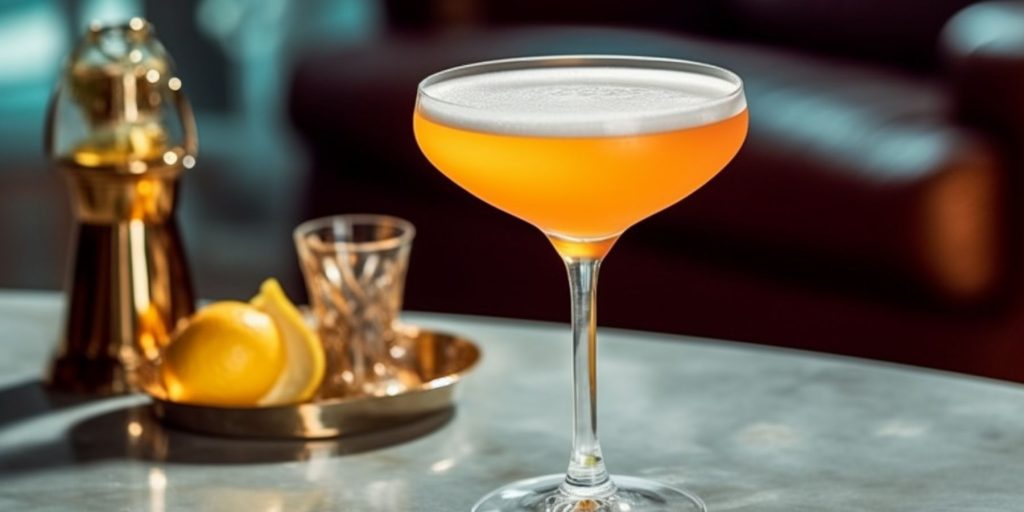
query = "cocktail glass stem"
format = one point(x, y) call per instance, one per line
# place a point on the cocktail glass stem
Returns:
point(586, 476)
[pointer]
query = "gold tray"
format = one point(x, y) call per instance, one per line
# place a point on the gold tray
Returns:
point(439, 359)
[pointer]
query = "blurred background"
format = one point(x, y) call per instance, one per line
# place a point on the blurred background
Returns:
point(875, 210)
point(234, 58)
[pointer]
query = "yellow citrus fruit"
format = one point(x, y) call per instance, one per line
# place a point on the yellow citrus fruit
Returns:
point(229, 353)
point(304, 354)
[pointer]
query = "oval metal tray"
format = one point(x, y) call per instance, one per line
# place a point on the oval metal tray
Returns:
point(439, 359)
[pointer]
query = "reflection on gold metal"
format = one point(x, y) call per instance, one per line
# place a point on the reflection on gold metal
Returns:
point(439, 360)
point(120, 131)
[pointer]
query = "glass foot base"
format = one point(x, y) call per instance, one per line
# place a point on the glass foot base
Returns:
point(543, 494)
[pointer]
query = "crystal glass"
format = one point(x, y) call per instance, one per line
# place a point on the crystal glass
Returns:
point(582, 147)
point(355, 267)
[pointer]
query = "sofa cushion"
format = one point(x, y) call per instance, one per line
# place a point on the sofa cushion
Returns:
point(903, 31)
point(897, 31)
point(856, 167)
point(448, 14)
point(845, 166)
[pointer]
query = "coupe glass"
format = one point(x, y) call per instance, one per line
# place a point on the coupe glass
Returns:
point(582, 147)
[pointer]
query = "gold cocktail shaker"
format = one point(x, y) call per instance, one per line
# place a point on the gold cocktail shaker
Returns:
point(120, 131)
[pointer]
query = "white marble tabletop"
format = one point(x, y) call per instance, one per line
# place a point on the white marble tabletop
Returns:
point(746, 428)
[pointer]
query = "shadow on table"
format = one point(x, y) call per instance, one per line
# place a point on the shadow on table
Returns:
point(31, 398)
point(133, 433)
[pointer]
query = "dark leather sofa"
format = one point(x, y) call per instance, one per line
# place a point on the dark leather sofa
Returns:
point(874, 211)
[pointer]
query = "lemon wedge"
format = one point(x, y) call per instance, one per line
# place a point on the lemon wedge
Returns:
point(243, 354)
point(229, 353)
point(304, 355)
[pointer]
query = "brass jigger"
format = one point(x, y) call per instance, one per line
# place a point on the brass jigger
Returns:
point(120, 131)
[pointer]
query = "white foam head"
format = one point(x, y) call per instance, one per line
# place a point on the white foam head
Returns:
point(573, 100)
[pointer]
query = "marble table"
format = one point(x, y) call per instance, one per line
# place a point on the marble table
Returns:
point(746, 428)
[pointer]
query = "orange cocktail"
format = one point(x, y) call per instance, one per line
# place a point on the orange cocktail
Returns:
point(582, 147)
point(581, 187)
